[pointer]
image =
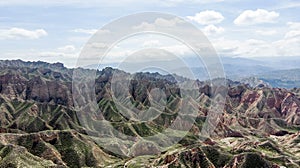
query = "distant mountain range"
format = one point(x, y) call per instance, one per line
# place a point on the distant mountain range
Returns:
point(276, 71)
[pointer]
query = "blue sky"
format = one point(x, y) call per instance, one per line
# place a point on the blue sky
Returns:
point(57, 30)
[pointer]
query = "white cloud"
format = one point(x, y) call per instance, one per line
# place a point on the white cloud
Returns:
point(266, 32)
point(78, 39)
point(144, 26)
point(97, 45)
point(292, 34)
point(294, 30)
point(159, 22)
point(180, 50)
point(168, 23)
point(207, 17)
point(250, 17)
point(255, 42)
point(85, 31)
point(294, 25)
point(287, 46)
point(19, 33)
point(212, 30)
point(172, 3)
point(247, 48)
point(67, 48)
point(151, 43)
point(54, 54)
point(103, 3)
point(286, 5)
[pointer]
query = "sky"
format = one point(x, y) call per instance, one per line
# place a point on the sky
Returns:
point(57, 31)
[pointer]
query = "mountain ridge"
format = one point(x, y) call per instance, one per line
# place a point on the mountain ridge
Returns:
point(259, 124)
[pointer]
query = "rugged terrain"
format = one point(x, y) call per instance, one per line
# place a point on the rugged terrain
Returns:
point(39, 124)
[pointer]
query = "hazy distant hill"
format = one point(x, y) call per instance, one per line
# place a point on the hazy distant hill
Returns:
point(282, 78)
point(277, 71)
